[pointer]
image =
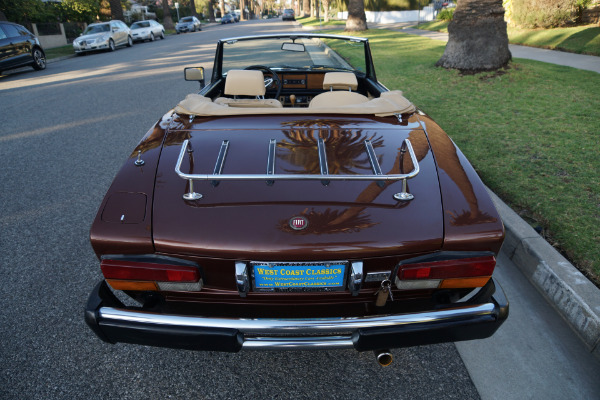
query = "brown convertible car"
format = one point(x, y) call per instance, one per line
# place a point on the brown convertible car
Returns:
point(296, 203)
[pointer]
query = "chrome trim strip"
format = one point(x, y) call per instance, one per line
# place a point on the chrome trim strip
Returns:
point(373, 158)
point(298, 343)
point(374, 162)
point(267, 177)
point(356, 277)
point(316, 326)
point(271, 160)
point(241, 278)
point(323, 160)
point(220, 160)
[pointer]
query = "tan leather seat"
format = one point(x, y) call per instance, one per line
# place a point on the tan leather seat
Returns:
point(340, 86)
point(246, 83)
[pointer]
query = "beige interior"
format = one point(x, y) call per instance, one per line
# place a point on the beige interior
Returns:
point(340, 85)
point(246, 83)
point(389, 103)
point(340, 81)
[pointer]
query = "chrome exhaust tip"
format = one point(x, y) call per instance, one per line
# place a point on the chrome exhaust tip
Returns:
point(384, 357)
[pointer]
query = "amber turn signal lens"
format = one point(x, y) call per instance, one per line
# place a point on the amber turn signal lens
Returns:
point(459, 283)
point(132, 285)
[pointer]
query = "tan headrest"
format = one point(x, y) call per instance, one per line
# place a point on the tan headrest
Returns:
point(244, 83)
point(340, 81)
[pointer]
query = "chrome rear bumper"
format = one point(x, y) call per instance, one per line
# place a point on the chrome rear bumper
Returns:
point(466, 322)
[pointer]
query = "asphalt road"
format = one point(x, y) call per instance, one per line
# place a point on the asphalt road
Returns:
point(64, 134)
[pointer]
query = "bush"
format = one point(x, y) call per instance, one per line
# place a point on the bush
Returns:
point(446, 14)
point(544, 13)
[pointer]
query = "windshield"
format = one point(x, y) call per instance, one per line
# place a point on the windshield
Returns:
point(186, 19)
point(301, 53)
point(144, 24)
point(97, 29)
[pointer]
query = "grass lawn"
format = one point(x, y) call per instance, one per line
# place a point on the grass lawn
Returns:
point(532, 133)
point(578, 39)
point(59, 51)
point(315, 22)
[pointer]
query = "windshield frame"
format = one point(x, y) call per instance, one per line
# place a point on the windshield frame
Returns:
point(218, 73)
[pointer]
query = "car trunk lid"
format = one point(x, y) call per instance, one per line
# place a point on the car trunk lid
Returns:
point(253, 219)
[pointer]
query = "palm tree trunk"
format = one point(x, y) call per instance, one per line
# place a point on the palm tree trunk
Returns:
point(477, 38)
point(167, 20)
point(211, 10)
point(306, 8)
point(193, 7)
point(116, 9)
point(357, 19)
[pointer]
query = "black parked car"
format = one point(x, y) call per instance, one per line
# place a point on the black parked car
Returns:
point(19, 47)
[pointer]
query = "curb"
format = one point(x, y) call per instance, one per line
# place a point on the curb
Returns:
point(573, 296)
point(55, 59)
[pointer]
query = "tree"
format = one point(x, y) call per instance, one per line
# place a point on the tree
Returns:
point(326, 10)
point(222, 7)
point(477, 38)
point(78, 10)
point(167, 20)
point(211, 11)
point(116, 9)
point(193, 7)
point(23, 11)
point(357, 19)
point(306, 8)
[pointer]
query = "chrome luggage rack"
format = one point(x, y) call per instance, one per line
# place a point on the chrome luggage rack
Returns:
point(270, 176)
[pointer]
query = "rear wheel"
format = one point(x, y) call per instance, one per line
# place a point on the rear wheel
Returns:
point(162, 35)
point(129, 41)
point(39, 59)
point(111, 45)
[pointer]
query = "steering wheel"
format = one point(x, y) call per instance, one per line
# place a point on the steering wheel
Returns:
point(269, 81)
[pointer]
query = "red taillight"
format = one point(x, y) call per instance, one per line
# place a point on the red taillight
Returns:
point(457, 273)
point(139, 275)
point(463, 268)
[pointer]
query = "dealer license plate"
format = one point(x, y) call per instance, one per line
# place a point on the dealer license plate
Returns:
point(318, 276)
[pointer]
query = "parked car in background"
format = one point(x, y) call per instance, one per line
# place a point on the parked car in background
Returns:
point(288, 15)
point(227, 19)
point(103, 36)
point(188, 24)
point(19, 47)
point(147, 30)
point(296, 204)
point(236, 15)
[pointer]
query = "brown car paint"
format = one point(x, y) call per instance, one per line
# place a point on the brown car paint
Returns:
point(249, 220)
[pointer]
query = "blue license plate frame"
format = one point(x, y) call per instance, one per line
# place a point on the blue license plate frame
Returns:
point(299, 277)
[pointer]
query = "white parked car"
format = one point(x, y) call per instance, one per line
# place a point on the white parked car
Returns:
point(103, 36)
point(188, 24)
point(147, 30)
